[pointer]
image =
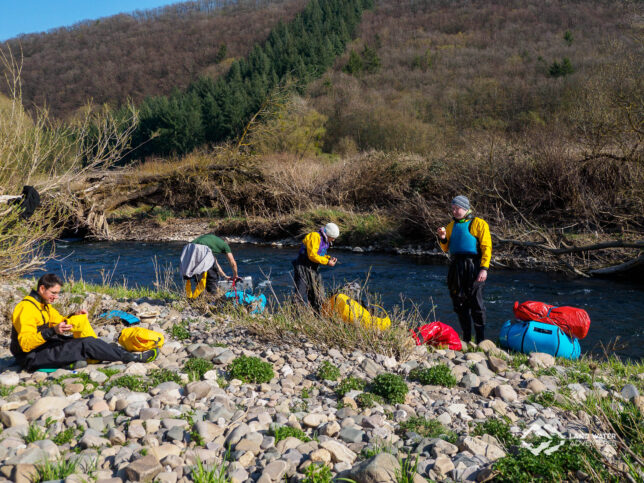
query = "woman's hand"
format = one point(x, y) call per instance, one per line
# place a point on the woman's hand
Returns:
point(62, 328)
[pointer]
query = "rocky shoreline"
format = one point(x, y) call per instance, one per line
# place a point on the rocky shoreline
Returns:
point(171, 420)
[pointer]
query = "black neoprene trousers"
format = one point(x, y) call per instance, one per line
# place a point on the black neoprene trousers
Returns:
point(61, 352)
point(467, 295)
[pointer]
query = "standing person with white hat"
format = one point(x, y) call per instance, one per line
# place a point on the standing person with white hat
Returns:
point(467, 239)
point(308, 280)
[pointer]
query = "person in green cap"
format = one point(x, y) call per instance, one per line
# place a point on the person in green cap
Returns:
point(198, 260)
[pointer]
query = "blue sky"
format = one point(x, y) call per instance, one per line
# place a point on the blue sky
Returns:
point(29, 16)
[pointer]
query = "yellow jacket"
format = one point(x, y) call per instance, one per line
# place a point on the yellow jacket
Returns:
point(33, 322)
point(481, 231)
point(312, 244)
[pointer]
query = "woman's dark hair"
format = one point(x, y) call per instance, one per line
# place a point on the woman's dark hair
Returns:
point(49, 280)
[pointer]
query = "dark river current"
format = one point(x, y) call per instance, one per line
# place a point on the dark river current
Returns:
point(616, 308)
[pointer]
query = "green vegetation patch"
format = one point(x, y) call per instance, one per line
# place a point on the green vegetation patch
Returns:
point(368, 400)
point(427, 428)
point(35, 432)
point(159, 376)
point(58, 470)
point(439, 375)
point(499, 429)
point(391, 387)
point(251, 370)
point(348, 384)
point(118, 291)
point(196, 367)
point(283, 432)
point(133, 383)
point(64, 437)
point(180, 331)
point(317, 473)
point(328, 372)
point(559, 465)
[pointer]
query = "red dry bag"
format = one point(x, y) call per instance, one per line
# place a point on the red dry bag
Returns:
point(573, 321)
point(437, 334)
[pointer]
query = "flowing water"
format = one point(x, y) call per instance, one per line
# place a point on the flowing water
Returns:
point(616, 309)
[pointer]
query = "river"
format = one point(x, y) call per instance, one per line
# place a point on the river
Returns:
point(616, 308)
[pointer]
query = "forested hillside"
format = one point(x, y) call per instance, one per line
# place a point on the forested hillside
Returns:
point(443, 71)
point(141, 54)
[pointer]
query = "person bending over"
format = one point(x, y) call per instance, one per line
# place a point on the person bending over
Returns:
point(308, 280)
point(42, 338)
point(198, 262)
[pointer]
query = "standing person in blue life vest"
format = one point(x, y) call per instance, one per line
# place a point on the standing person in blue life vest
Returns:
point(308, 280)
point(467, 239)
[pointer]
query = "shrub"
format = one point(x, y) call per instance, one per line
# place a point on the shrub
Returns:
point(328, 372)
point(562, 69)
point(317, 473)
point(196, 368)
point(251, 369)
point(439, 375)
point(283, 432)
point(367, 400)
point(391, 387)
point(499, 429)
point(350, 383)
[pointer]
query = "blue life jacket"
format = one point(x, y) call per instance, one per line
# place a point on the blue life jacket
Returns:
point(462, 242)
point(302, 256)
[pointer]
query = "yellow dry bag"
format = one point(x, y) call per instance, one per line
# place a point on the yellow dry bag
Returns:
point(139, 339)
point(351, 311)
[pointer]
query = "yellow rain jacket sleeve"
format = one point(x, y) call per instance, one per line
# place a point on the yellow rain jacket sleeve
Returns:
point(312, 244)
point(33, 322)
point(479, 229)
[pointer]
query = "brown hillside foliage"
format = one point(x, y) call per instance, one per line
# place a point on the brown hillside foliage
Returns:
point(452, 68)
point(141, 54)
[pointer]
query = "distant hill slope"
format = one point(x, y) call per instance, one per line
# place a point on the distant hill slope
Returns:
point(442, 71)
point(143, 54)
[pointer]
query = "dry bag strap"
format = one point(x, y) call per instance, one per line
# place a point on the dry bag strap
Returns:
point(42, 314)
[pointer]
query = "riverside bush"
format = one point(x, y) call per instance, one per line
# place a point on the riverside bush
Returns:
point(251, 369)
point(439, 375)
point(391, 387)
point(350, 383)
point(328, 372)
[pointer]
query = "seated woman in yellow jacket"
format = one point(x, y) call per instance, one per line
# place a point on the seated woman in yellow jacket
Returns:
point(41, 337)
